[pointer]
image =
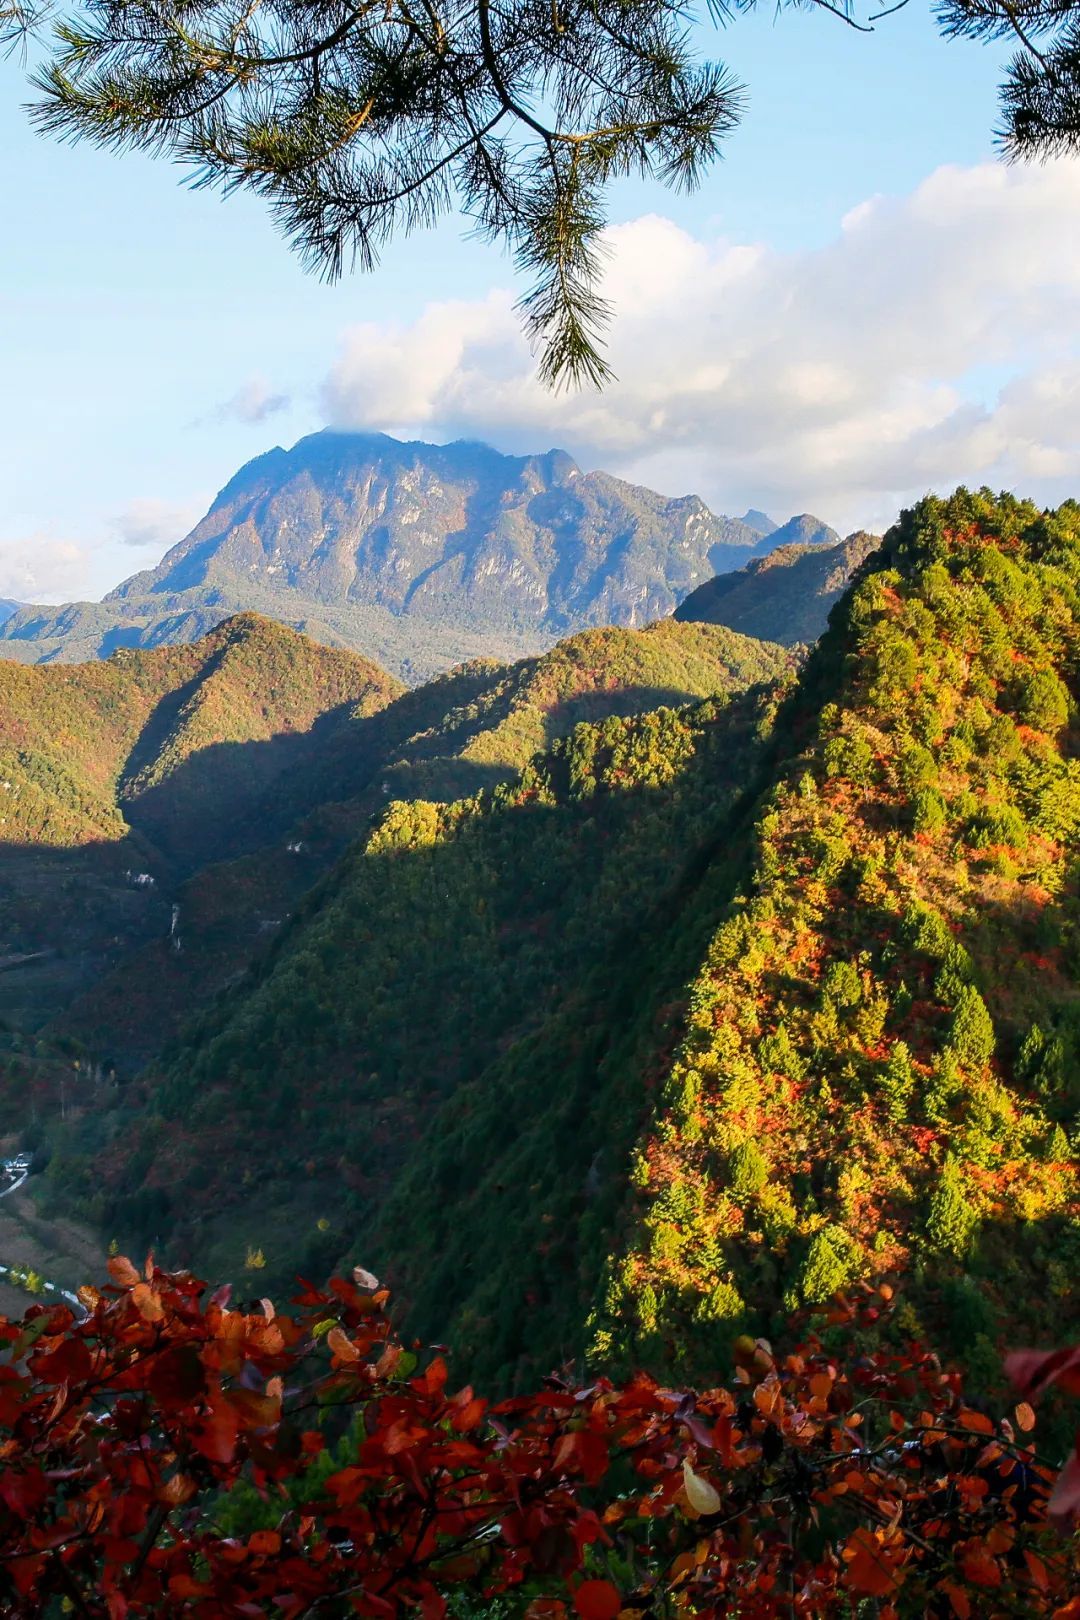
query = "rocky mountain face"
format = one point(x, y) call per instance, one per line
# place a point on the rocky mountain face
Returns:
point(7, 608)
point(759, 521)
point(785, 596)
point(417, 555)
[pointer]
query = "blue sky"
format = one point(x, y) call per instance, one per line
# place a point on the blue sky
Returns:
point(150, 333)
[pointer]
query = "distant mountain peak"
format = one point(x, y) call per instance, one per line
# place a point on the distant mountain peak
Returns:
point(418, 554)
point(760, 522)
point(785, 595)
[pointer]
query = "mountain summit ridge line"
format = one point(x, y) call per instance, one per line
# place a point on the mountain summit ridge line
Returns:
point(418, 555)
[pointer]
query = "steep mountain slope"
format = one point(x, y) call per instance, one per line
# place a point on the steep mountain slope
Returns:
point(93, 751)
point(469, 730)
point(699, 1018)
point(475, 945)
point(786, 596)
point(419, 555)
point(879, 1070)
point(7, 608)
point(117, 777)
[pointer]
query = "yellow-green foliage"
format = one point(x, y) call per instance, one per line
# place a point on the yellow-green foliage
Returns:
point(521, 710)
point(856, 1034)
point(81, 743)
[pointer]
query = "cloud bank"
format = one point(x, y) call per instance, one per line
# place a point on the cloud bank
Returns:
point(929, 342)
point(42, 568)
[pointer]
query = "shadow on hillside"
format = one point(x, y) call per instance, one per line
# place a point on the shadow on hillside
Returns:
point(220, 799)
point(471, 1025)
point(230, 798)
point(70, 913)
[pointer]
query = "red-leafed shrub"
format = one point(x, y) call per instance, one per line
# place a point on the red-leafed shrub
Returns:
point(804, 1487)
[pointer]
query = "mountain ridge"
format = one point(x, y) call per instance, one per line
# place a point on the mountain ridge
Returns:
point(778, 990)
point(417, 555)
point(224, 777)
point(785, 596)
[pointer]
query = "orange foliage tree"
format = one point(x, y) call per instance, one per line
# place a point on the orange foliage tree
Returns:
point(805, 1486)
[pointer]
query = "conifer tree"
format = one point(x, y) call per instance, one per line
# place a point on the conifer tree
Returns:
point(972, 1035)
point(951, 1220)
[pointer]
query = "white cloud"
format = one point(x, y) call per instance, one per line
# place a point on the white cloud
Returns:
point(42, 568)
point(147, 521)
point(255, 402)
point(48, 567)
point(926, 344)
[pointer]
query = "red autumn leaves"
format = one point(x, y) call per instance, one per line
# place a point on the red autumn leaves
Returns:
point(374, 1489)
point(1033, 1372)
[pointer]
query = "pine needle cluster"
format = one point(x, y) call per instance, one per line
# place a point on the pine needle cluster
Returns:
point(358, 120)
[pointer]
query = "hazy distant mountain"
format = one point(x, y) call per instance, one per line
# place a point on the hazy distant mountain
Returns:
point(7, 608)
point(418, 555)
point(760, 522)
point(785, 596)
point(804, 530)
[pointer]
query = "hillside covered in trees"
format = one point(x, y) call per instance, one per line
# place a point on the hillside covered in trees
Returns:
point(167, 810)
point(696, 1015)
point(785, 596)
point(118, 777)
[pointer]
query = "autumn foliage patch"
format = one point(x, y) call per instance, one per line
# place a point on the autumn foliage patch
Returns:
point(804, 1486)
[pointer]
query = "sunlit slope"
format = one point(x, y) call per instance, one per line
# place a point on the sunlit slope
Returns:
point(468, 961)
point(82, 746)
point(698, 1015)
point(462, 732)
point(879, 1066)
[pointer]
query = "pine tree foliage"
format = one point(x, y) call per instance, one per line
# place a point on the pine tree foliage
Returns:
point(1040, 98)
point(356, 121)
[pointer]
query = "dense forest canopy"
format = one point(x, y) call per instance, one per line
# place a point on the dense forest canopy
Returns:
point(772, 964)
point(778, 988)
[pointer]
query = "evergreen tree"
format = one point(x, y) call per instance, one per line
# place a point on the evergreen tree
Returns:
point(898, 1083)
point(827, 1266)
point(749, 1170)
point(972, 1034)
point(951, 1220)
point(360, 121)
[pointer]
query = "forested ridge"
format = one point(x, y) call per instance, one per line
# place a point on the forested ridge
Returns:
point(878, 1071)
point(697, 1006)
point(706, 1012)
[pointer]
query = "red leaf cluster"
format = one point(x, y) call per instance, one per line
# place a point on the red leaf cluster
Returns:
point(804, 1487)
